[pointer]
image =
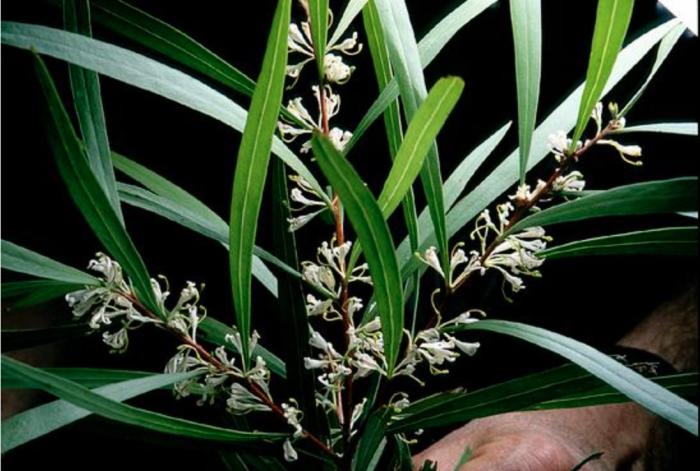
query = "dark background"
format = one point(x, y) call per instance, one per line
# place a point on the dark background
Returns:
point(593, 299)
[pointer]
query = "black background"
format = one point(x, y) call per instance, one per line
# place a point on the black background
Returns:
point(593, 299)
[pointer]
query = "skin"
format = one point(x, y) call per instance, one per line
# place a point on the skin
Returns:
point(557, 440)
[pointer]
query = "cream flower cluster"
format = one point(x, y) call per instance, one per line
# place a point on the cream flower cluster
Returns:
point(113, 302)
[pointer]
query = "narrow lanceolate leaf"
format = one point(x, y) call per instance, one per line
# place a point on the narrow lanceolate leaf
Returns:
point(612, 20)
point(292, 316)
point(87, 97)
point(145, 73)
point(115, 410)
point(351, 10)
point(373, 233)
point(422, 131)
point(405, 58)
point(372, 442)
point(684, 129)
point(639, 389)
point(662, 52)
point(505, 175)
point(37, 422)
point(87, 377)
point(251, 168)
point(664, 241)
point(21, 260)
point(18, 339)
point(428, 48)
point(526, 19)
point(87, 193)
point(32, 292)
point(153, 33)
point(318, 16)
point(661, 196)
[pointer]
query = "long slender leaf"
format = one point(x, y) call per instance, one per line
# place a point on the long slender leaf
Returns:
point(32, 292)
point(88, 195)
point(351, 10)
point(372, 442)
point(662, 52)
point(526, 19)
point(293, 318)
point(17, 339)
point(87, 377)
point(661, 196)
point(114, 410)
point(142, 72)
point(373, 233)
point(44, 419)
point(422, 131)
point(21, 260)
point(612, 20)
point(641, 390)
point(428, 48)
point(251, 168)
point(318, 16)
point(394, 132)
point(505, 175)
point(685, 129)
point(663, 241)
point(405, 58)
point(87, 97)
point(197, 221)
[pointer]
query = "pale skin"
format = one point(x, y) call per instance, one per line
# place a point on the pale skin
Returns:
point(557, 440)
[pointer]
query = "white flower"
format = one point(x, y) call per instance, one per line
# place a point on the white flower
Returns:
point(293, 415)
point(430, 258)
point(290, 453)
point(339, 138)
point(119, 340)
point(625, 151)
point(572, 182)
point(320, 277)
point(241, 401)
point(597, 116)
point(335, 70)
point(468, 348)
point(349, 46)
point(559, 145)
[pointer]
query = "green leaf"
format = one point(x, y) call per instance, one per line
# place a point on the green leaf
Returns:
point(293, 317)
point(351, 10)
point(662, 52)
point(215, 332)
point(660, 196)
point(428, 48)
point(372, 442)
point(405, 58)
point(526, 18)
point(422, 131)
point(628, 382)
point(87, 193)
point(505, 175)
point(318, 17)
point(197, 221)
point(662, 241)
point(21, 260)
point(18, 339)
point(39, 421)
point(87, 377)
point(93, 402)
point(251, 169)
point(373, 233)
point(142, 72)
point(149, 31)
point(612, 20)
point(32, 292)
point(87, 97)
point(521, 393)
point(684, 384)
point(686, 129)
point(463, 459)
